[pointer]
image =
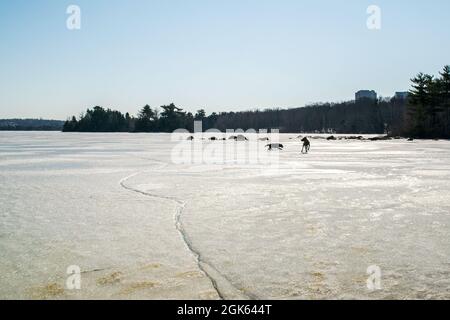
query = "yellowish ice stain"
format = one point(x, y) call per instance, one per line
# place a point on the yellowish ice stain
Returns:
point(360, 279)
point(244, 290)
point(138, 286)
point(112, 278)
point(50, 291)
point(152, 266)
point(318, 276)
point(317, 289)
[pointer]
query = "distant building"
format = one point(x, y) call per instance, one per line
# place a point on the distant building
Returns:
point(366, 94)
point(401, 95)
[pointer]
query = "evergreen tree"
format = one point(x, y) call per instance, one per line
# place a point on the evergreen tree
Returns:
point(172, 118)
point(200, 115)
point(147, 120)
point(444, 84)
point(433, 104)
point(70, 125)
point(418, 100)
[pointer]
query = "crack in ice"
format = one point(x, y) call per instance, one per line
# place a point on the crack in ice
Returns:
point(179, 226)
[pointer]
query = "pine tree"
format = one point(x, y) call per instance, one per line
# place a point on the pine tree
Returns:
point(146, 121)
point(172, 118)
point(418, 100)
point(444, 84)
point(433, 106)
point(200, 115)
point(70, 125)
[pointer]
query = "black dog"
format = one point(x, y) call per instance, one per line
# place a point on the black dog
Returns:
point(272, 146)
point(306, 145)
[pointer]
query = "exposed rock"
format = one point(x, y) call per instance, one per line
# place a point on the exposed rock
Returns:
point(384, 138)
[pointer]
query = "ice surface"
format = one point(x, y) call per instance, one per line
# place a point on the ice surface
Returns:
point(142, 227)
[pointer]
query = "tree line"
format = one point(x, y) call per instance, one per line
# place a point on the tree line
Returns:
point(99, 119)
point(364, 116)
point(30, 125)
point(424, 114)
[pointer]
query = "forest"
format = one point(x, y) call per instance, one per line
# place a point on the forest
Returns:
point(30, 125)
point(424, 114)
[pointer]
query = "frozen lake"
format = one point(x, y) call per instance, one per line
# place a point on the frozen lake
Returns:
point(140, 226)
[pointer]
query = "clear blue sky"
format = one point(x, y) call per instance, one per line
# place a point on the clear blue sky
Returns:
point(219, 55)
